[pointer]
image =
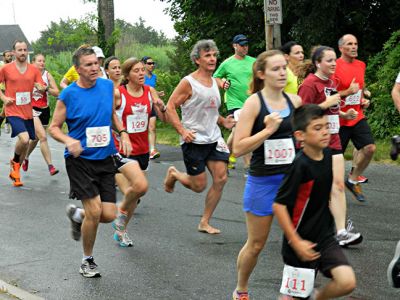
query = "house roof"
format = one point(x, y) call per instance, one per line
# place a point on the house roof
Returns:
point(8, 35)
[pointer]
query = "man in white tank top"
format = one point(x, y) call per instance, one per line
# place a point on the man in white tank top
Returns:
point(202, 143)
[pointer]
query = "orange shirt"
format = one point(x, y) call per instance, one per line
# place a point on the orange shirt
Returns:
point(20, 86)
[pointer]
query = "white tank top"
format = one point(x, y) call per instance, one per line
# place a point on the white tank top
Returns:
point(200, 112)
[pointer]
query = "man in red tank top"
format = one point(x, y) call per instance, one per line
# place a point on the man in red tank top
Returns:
point(353, 126)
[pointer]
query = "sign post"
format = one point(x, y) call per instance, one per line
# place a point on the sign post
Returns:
point(273, 19)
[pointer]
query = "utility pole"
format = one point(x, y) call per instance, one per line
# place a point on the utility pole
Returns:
point(273, 21)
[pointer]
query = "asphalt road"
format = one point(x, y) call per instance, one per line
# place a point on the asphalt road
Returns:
point(170, 259)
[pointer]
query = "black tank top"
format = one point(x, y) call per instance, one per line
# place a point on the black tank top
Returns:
point(257, 165)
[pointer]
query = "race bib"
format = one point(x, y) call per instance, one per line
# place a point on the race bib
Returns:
point(22, 98)
point(333, 123)
point(97, 136)
point(137, 123)
point(222, 146)
point(236, 114)
point(278, 152)
point(297, 282)
point(353, 99)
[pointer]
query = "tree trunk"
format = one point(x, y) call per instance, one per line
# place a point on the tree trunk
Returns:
point(105, 9)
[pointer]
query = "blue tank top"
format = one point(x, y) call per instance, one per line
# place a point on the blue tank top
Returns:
point(257, 165)
point(89, 108)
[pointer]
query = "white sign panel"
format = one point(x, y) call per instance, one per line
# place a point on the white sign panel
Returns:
point(273, 11)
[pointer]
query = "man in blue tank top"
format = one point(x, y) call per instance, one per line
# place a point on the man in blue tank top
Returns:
point(87, 107)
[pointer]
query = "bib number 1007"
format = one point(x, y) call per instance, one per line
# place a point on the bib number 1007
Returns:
point(279, 151)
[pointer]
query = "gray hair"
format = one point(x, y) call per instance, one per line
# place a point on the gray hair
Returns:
point(76, 58)
point(341, 40)
point(205, 45)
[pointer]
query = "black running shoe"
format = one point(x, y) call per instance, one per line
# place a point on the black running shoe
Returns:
point(75, 226)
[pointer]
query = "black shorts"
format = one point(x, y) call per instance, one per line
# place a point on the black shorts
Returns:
point(19, 125)
point(142, 159)
point(43, 114)
point(153, 113)
point(360, 135)
point(90, 178)
point(332, 256)
point(196, 156)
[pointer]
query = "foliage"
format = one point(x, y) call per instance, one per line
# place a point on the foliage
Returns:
point(67, 35)
point(309, 22)
point(140, 33)
point(382, 70)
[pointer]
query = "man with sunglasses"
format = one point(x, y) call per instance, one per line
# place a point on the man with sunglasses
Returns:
point(151, 79)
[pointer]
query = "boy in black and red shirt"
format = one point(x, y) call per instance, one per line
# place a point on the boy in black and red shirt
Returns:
point(302, 210)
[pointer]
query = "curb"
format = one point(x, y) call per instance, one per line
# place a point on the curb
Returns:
point(13, 291)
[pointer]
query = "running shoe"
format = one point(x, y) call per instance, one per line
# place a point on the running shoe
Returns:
point(154, 154)
point(119, 223)
point(360, 179)
point(89, 268)
point(349, 238)
point(14, 173)
point(123, 239)
point(393, 270)
point(53, 171)
point(25, 165)
point(240, 295)
point(75, 226)
point(232, 162)
point(355, 189)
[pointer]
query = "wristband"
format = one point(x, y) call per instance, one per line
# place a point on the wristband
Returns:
point(122, 130)
point(164, 109)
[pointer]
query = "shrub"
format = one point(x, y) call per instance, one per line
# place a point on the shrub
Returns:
point(381, 73)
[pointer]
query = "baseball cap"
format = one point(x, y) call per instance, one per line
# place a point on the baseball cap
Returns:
point(240, 39)
point(98, 51)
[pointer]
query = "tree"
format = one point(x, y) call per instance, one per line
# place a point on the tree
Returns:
point(106, 36)
point(309, 22)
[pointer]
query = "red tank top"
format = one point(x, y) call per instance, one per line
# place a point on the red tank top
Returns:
point(134, 113)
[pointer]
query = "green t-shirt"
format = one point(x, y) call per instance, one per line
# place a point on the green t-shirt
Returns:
point(291, 84)
point(238, 72)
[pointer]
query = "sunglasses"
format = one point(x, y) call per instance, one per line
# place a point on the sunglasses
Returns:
point(150, 63)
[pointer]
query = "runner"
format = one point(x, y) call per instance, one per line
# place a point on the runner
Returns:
point(234, 75)
point(393, 270)
point(302, 210)
point(202, 144)
point(41, 115)
point(319, 88)
point(294, 55)
point(87, 106)
point(20, 78)
point(151, 80)
point(264, 126)
point(72, 75)
point(7, 58)
point(135, 103)
point(350, 74)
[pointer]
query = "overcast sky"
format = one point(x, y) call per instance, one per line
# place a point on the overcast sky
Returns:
point(34, 16)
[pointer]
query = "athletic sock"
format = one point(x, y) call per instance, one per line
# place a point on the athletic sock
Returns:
point(341, 231)
point(85, 257)
point(16, 157)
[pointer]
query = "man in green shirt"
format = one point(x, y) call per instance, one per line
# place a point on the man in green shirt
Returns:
point(234, 75)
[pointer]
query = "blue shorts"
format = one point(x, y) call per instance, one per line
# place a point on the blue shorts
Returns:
point(19, 125)
point(259, 194)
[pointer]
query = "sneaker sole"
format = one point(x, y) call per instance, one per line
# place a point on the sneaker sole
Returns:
point(352, 243)
point(86, 275)
point(391, 265)
point(155, 156)
point(54, 173)
point(116, 238)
